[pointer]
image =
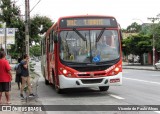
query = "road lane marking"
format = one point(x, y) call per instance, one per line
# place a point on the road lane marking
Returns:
point(142, 80)
point(155, 75)
point(157, 112)
point(115, 96)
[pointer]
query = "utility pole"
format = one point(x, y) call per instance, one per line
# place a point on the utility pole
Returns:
point(153, 19)
point(27, 16)
point(5, 37)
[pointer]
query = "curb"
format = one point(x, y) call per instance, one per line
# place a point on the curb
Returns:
point(149, 69)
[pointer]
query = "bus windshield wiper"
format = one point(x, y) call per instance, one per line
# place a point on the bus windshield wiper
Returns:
point(79, 34)
point(100, 34)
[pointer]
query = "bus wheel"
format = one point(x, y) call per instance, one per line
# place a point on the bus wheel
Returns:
point(46, 82)
point(58, 90)
point(103, 88)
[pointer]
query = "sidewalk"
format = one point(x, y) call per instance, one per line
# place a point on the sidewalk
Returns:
point(15, 98)
point(15, 94)
point(138, 66)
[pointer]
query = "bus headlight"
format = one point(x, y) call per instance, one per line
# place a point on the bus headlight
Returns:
point(64, 71)
point(116, 69)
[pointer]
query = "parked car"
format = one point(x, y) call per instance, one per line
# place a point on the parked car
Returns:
point(157, 65)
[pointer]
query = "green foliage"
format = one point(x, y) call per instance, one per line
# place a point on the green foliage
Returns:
point(157, 36)
point(146, 30)
point(9, 13)
point(126, 46)
point(31, 66)
point(35, 50)
point(134, 28)
point(137, 44)
point(153, 30)
point(11, 16)
point(35, 24)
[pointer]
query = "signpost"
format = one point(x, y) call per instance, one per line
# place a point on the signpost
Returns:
point(7, 37)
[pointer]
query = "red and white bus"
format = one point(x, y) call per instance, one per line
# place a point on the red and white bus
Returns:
point(82, 51)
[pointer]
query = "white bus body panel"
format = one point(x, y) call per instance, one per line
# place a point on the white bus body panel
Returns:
point(66, 82)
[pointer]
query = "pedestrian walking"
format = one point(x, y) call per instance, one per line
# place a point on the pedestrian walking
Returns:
point(5, 78)
point(25, 76)
point(18, 78)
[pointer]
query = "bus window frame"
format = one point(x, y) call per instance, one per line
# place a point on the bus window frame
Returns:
point(51, 43)
point(55, 37)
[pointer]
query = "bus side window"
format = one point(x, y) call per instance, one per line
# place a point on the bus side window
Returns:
point(44, 45)
point(51, 42)
point(55, 38)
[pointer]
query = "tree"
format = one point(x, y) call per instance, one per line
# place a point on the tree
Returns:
point(35, 50)
point(126, 46)
point(134, 28)
point(157, 36)
point(137, 45)
point(153, 30)
point(35, 24)
point(11, 16)
point(10, 12)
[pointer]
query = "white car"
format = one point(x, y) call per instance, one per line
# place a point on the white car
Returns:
point(157, 65)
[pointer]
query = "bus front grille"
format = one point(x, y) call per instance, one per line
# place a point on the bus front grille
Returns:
point(91, 68)
point(91, 81)
point(95, 74)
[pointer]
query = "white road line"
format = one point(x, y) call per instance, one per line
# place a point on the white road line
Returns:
point(142, 80)
point(157, 112)
point(155, 75)
point(115, 96)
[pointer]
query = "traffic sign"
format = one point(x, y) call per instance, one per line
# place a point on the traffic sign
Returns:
point(2, 31)
point(10, 35)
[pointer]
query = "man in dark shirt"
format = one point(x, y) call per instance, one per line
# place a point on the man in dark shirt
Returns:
point(25, 76)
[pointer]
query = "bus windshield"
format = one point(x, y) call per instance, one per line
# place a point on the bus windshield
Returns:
point(89, 46)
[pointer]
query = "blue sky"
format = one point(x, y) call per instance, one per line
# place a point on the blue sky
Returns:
point(125, 11)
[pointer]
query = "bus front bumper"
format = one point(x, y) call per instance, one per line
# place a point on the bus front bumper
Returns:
point(66, 82)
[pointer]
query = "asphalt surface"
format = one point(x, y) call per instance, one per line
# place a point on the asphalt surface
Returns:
point(140, 87)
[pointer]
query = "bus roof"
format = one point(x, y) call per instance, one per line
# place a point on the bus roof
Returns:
point(56, 24)
point(80, 16)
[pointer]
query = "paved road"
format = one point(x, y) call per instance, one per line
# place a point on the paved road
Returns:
point(140, 87)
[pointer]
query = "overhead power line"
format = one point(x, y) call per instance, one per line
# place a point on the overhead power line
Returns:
point(35, 5)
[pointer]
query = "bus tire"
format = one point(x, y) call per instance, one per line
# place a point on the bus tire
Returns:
point(103, 88)
point(53, 77)
point(46, 82)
